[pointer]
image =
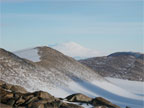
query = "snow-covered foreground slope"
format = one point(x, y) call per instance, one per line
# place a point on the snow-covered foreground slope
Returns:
point(104, 89)
point(135, 87)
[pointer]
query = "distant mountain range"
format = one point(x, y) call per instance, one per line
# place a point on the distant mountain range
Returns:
point(123, 65)
point(43, 68)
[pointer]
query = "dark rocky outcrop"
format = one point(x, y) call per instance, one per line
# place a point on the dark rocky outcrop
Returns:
point(16, 88)
point(78, 98)
point(13, 88)
point(68, 105)
point(39, 99)
point(99, 101)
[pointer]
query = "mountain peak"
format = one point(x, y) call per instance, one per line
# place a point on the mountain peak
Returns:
point(75, 50)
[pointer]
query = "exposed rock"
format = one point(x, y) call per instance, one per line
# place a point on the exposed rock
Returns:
point(1, 82)
point(68, 105)
point(54, 104)
point(9, 95)
point(6, 86)
point(10, 102)
point(13, 88)
point(4, 106)
point(99, 101)
point(28, 96)
point(31, 100)
point(19, 101)
point(36, 105)
point(78, 98)
point(44, 95)
point(5, 96)
point(3, 92)
point(16, 88)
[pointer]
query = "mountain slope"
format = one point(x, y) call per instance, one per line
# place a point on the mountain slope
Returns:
point(24, 72)
point(124, 65)
point(53, 69)
point(65, 64)
point(61, 76)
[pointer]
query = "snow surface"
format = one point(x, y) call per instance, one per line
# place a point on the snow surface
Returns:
point(96, 88)
point(135, 87)
point(75, 50)
point(29, 54)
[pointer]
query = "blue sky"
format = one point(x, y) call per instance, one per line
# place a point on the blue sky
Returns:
point(105, 25)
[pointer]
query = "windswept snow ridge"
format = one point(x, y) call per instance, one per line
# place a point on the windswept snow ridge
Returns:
point(104, 89)
point(30, 54)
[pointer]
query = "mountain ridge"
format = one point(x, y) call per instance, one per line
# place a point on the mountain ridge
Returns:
point(61, 76)
point(124, 65)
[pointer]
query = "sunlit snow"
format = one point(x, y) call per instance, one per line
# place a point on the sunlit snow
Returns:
point(115, 94)
point(30, 54)
point(75, 50)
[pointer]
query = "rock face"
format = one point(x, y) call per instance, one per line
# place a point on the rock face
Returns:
point(123, 65)
point(97, 102)
point(105, 103)
point(38, 99)
point(5, 106)
point(79, 98)
point(13, 88)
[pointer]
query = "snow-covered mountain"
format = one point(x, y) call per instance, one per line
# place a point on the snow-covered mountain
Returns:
point(60, 75)
point(124, 65)
point(75, 50)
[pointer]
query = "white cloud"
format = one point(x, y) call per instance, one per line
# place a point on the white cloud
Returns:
point(75, 50)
